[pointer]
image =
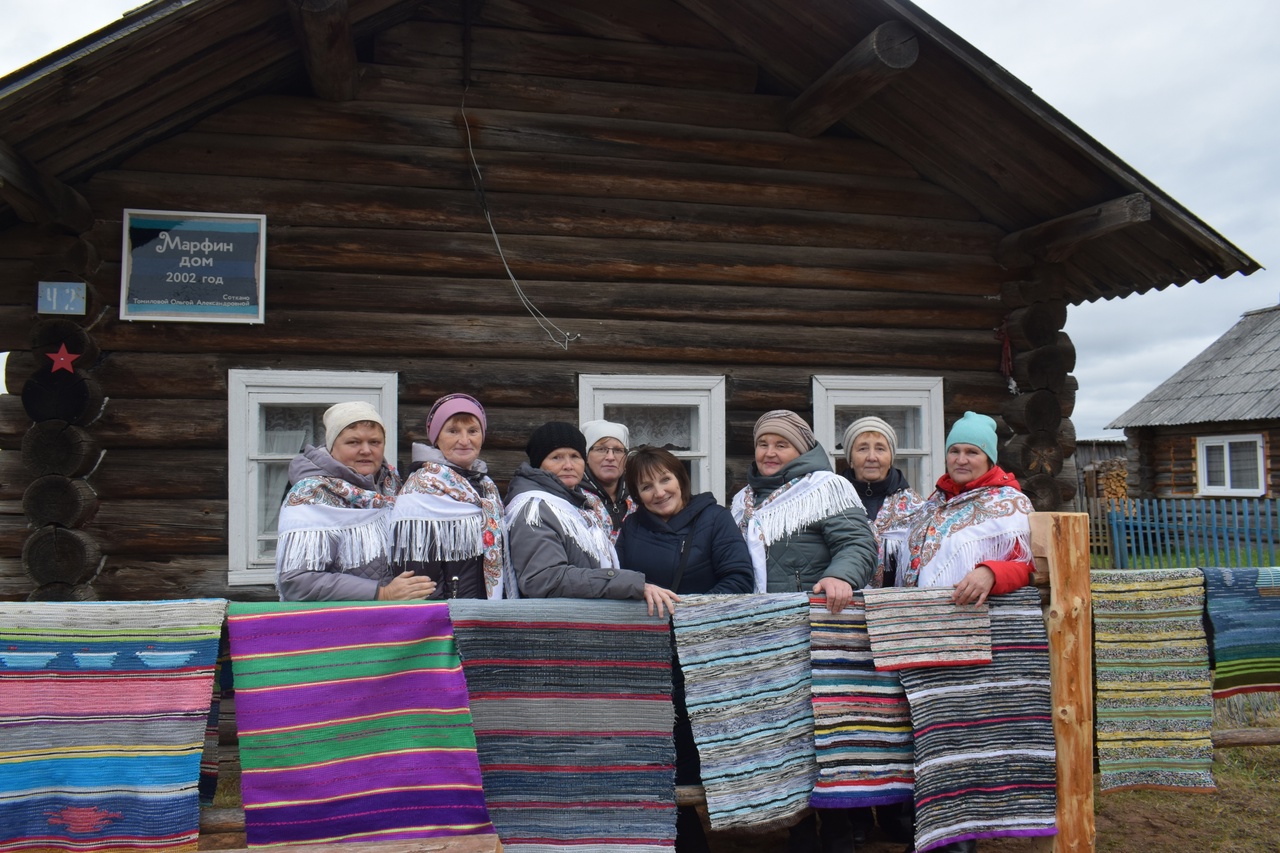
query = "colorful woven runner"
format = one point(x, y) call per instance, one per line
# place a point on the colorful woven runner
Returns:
point(1244, 610)
point(984, 735)
point(919, 626)
point(102, 716)
point(209, 756)
point(861, 720)
point(573, 721)
point(1154, 706)
point(353, 724)
point(746, 668)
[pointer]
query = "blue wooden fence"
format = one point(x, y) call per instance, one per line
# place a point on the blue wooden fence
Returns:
point(1151, 534)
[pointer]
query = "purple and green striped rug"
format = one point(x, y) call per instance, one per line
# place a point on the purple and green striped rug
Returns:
point(354, 724)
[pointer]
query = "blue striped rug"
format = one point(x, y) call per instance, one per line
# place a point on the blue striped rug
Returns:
point(745, 660)
point(1244, 610)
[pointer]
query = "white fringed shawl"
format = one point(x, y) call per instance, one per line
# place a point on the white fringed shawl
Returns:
point(891, 526)
point(586, 527)
point(317, 535)
point(788, 509)
point(949, 537)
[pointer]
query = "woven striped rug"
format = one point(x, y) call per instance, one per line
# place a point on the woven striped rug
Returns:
point(746, 668)
point(353, 724)
point(573, 721)
point(102, 717)
point(1244, 611)
point(984, 735)
point(919, 626)
point(1154, 707)
point(208, 785)
point(861, 720)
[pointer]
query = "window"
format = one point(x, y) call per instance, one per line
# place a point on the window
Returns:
point(684, 414)
point(912, 405)
point(1230, 466)
point(271, 414)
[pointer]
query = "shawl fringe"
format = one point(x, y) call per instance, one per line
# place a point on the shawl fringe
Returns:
point(592, 540)
point(949, 568)
point(797, 508)
point(310, 549)
point(420, 540)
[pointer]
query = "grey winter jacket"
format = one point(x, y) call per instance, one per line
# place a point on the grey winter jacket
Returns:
point(332, 584)
point(549, 564)
point(839, 546)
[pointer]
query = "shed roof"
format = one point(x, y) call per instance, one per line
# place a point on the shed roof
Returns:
point(956, 116)
point(1237, 378)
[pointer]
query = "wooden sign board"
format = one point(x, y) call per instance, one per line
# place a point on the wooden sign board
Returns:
point(193, 267)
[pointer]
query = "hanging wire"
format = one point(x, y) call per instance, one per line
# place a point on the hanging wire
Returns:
point(558, 336)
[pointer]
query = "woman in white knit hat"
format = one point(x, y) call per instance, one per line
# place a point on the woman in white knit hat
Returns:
point(870, 447)
point(335, 534)
point(607, 444)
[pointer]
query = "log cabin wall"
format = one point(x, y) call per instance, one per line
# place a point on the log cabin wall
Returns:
point(1167, 463)
point(649, 199)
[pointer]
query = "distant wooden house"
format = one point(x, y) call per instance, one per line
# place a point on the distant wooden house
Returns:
point(1213, 428)
point(834, 206)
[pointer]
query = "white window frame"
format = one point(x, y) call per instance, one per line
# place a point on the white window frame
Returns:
point(870, 391)
point(597, 390)
point(247, 392)
point(1224, 441)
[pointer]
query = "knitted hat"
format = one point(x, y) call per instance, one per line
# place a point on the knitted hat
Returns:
point(593, 431)
point(552, 436)
point(868, 424)
point(787, 424)
point(978, 430)
point(342, 415)
point(450, 405)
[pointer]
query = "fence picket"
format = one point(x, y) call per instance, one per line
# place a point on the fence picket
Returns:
point(1163, 533)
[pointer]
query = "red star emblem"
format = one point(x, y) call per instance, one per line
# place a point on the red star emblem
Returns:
point(62, 360)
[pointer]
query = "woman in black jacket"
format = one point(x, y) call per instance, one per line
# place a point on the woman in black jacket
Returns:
point(687, 544)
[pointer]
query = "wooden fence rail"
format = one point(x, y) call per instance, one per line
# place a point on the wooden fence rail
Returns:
point(1170, 533)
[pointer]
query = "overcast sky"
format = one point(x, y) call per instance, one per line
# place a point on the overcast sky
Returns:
point(1187, 93)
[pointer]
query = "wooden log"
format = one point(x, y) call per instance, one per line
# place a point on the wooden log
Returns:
point(332, 204)
point(1062, 541)
point(1067, 437)
point(72, 397)
point(328, 46)
point(36, 196)
point(48, 336)
point(53, 592)
point(1227, 738)
point(57, 447)
point(495, 49)
point(1033, 411)
point(54, 554)
point(1043, 492)
point(142, 577)
point(1043, 368)
point(885, 52)
point(67, 254)
point(1067, 395)
point(1047, 285)
point(1037, 325)
point(215, 822)
point(55, 499)
point(1068, 350)
point(1032, 453)
point(1055, 240)
point(1068, 488)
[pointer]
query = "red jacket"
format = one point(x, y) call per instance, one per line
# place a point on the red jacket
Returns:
point(1010, 574)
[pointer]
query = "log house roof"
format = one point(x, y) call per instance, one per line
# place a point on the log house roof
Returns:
point(958, 118)
point(1237, 378)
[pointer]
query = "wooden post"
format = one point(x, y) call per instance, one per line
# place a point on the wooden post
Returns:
point(328, 46)
point(1060, 543)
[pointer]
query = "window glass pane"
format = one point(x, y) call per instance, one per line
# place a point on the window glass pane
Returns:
point(273, 485)
point(283, 430)
point(1244, 464)
point(1215, 468)
point(905, 420)
point(672, 427)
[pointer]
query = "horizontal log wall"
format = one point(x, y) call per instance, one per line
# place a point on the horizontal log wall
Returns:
point(648, 198)
point(1169, 464)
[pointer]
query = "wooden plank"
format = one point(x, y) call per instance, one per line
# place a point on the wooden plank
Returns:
point(39, 197)
point(1062, 541)
point(328, 46)
point(499, 49)
point(868, 67)
point(564, 175)
point(153, 528)
point(1054, 241)
point(332, 204)
point(1227, 738)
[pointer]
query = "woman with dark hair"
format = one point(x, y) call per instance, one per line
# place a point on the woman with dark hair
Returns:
point(559, 536)
point(688, 544)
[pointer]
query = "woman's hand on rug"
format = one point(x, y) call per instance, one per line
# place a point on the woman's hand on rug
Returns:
point(406, 587)
point(839, 593)
point(974, 587)
point(661, 601)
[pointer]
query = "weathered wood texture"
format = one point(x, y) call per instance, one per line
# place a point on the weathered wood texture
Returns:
point(1166, 463)
point(328, 46)
point(648, 199)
